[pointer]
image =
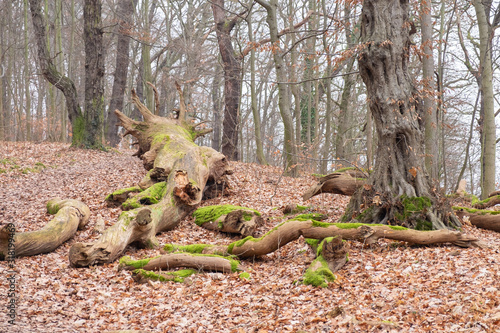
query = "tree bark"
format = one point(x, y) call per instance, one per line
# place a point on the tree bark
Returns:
point(124, 17)
point(393, 100)
point(368, 234)
point(176, 260)
point(50, 73)
point(429, 101)
point(70, 215)
point(337, 183)
point(487, 119)
point(94, 74)
point(167, 149)
point(232, 81)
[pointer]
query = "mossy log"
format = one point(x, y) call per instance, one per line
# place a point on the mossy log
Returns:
point(70, 215)
point(168, 151)
point(337, 183)
point(289, 231)
point(228, 218)
point(484, 219)
point(120, 196)
point(330, 257)
point(169, 261)
point(488, 202)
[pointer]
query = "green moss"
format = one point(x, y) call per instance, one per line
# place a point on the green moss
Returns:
point(239, 243)
point(177, 276)
point(313, 243)
point(127, 261)
point(194, 248)
point(311, 216)
point(477, 211)
point(150, 196)
point(321, 276)
point(52, 209)
point(122, 191)
point(354, 225)
point(345, 169)
point(212, 213)
point(160, 139)
point(244, 276)
point(78, 132)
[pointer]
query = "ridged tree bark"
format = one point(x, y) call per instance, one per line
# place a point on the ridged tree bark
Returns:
point(94, 74)
point(232, 81)
point(124, 17)
point(398, 190)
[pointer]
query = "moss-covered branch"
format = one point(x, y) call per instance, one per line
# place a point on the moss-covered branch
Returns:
point(368, 233)
point(228, 218)
point(481, 218)
point(70, 215)
point(488, 202)
point(201, 262)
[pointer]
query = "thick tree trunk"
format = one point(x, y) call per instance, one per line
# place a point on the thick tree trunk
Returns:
point(70, 215)
point(167, 149)
point(94, 74)
point(124, 16)
point(399, 173)
point(232, 81)
point(484, 219)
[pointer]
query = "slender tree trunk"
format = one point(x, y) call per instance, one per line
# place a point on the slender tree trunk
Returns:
point(291, 161)
point(94, 73)
point(255, 111)
point(232, 81)
point(27, 73)
point(488, 137)
point(124, 16)
point(431, 151)
point(217, 108)
point(50, 72)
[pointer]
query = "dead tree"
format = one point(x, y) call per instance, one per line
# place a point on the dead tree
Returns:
point(177, 168)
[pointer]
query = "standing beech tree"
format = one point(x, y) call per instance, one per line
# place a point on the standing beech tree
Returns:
point(399, 190)
point(86, 127)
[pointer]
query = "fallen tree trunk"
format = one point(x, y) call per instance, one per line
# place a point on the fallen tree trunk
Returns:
point(488, 202)
point(289, 231)
point(70, 215)
point(169, 261)
point(337, 183)
point(168, 151)
point(484, 219)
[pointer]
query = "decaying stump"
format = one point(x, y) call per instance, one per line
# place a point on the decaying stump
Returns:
point(70, 215)
point(343, 182)
point(166, 147)
point(228, 218)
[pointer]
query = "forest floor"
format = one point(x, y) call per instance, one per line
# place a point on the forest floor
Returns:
point(387, 287)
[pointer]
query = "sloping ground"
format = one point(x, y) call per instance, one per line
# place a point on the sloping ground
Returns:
point(389, 287)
